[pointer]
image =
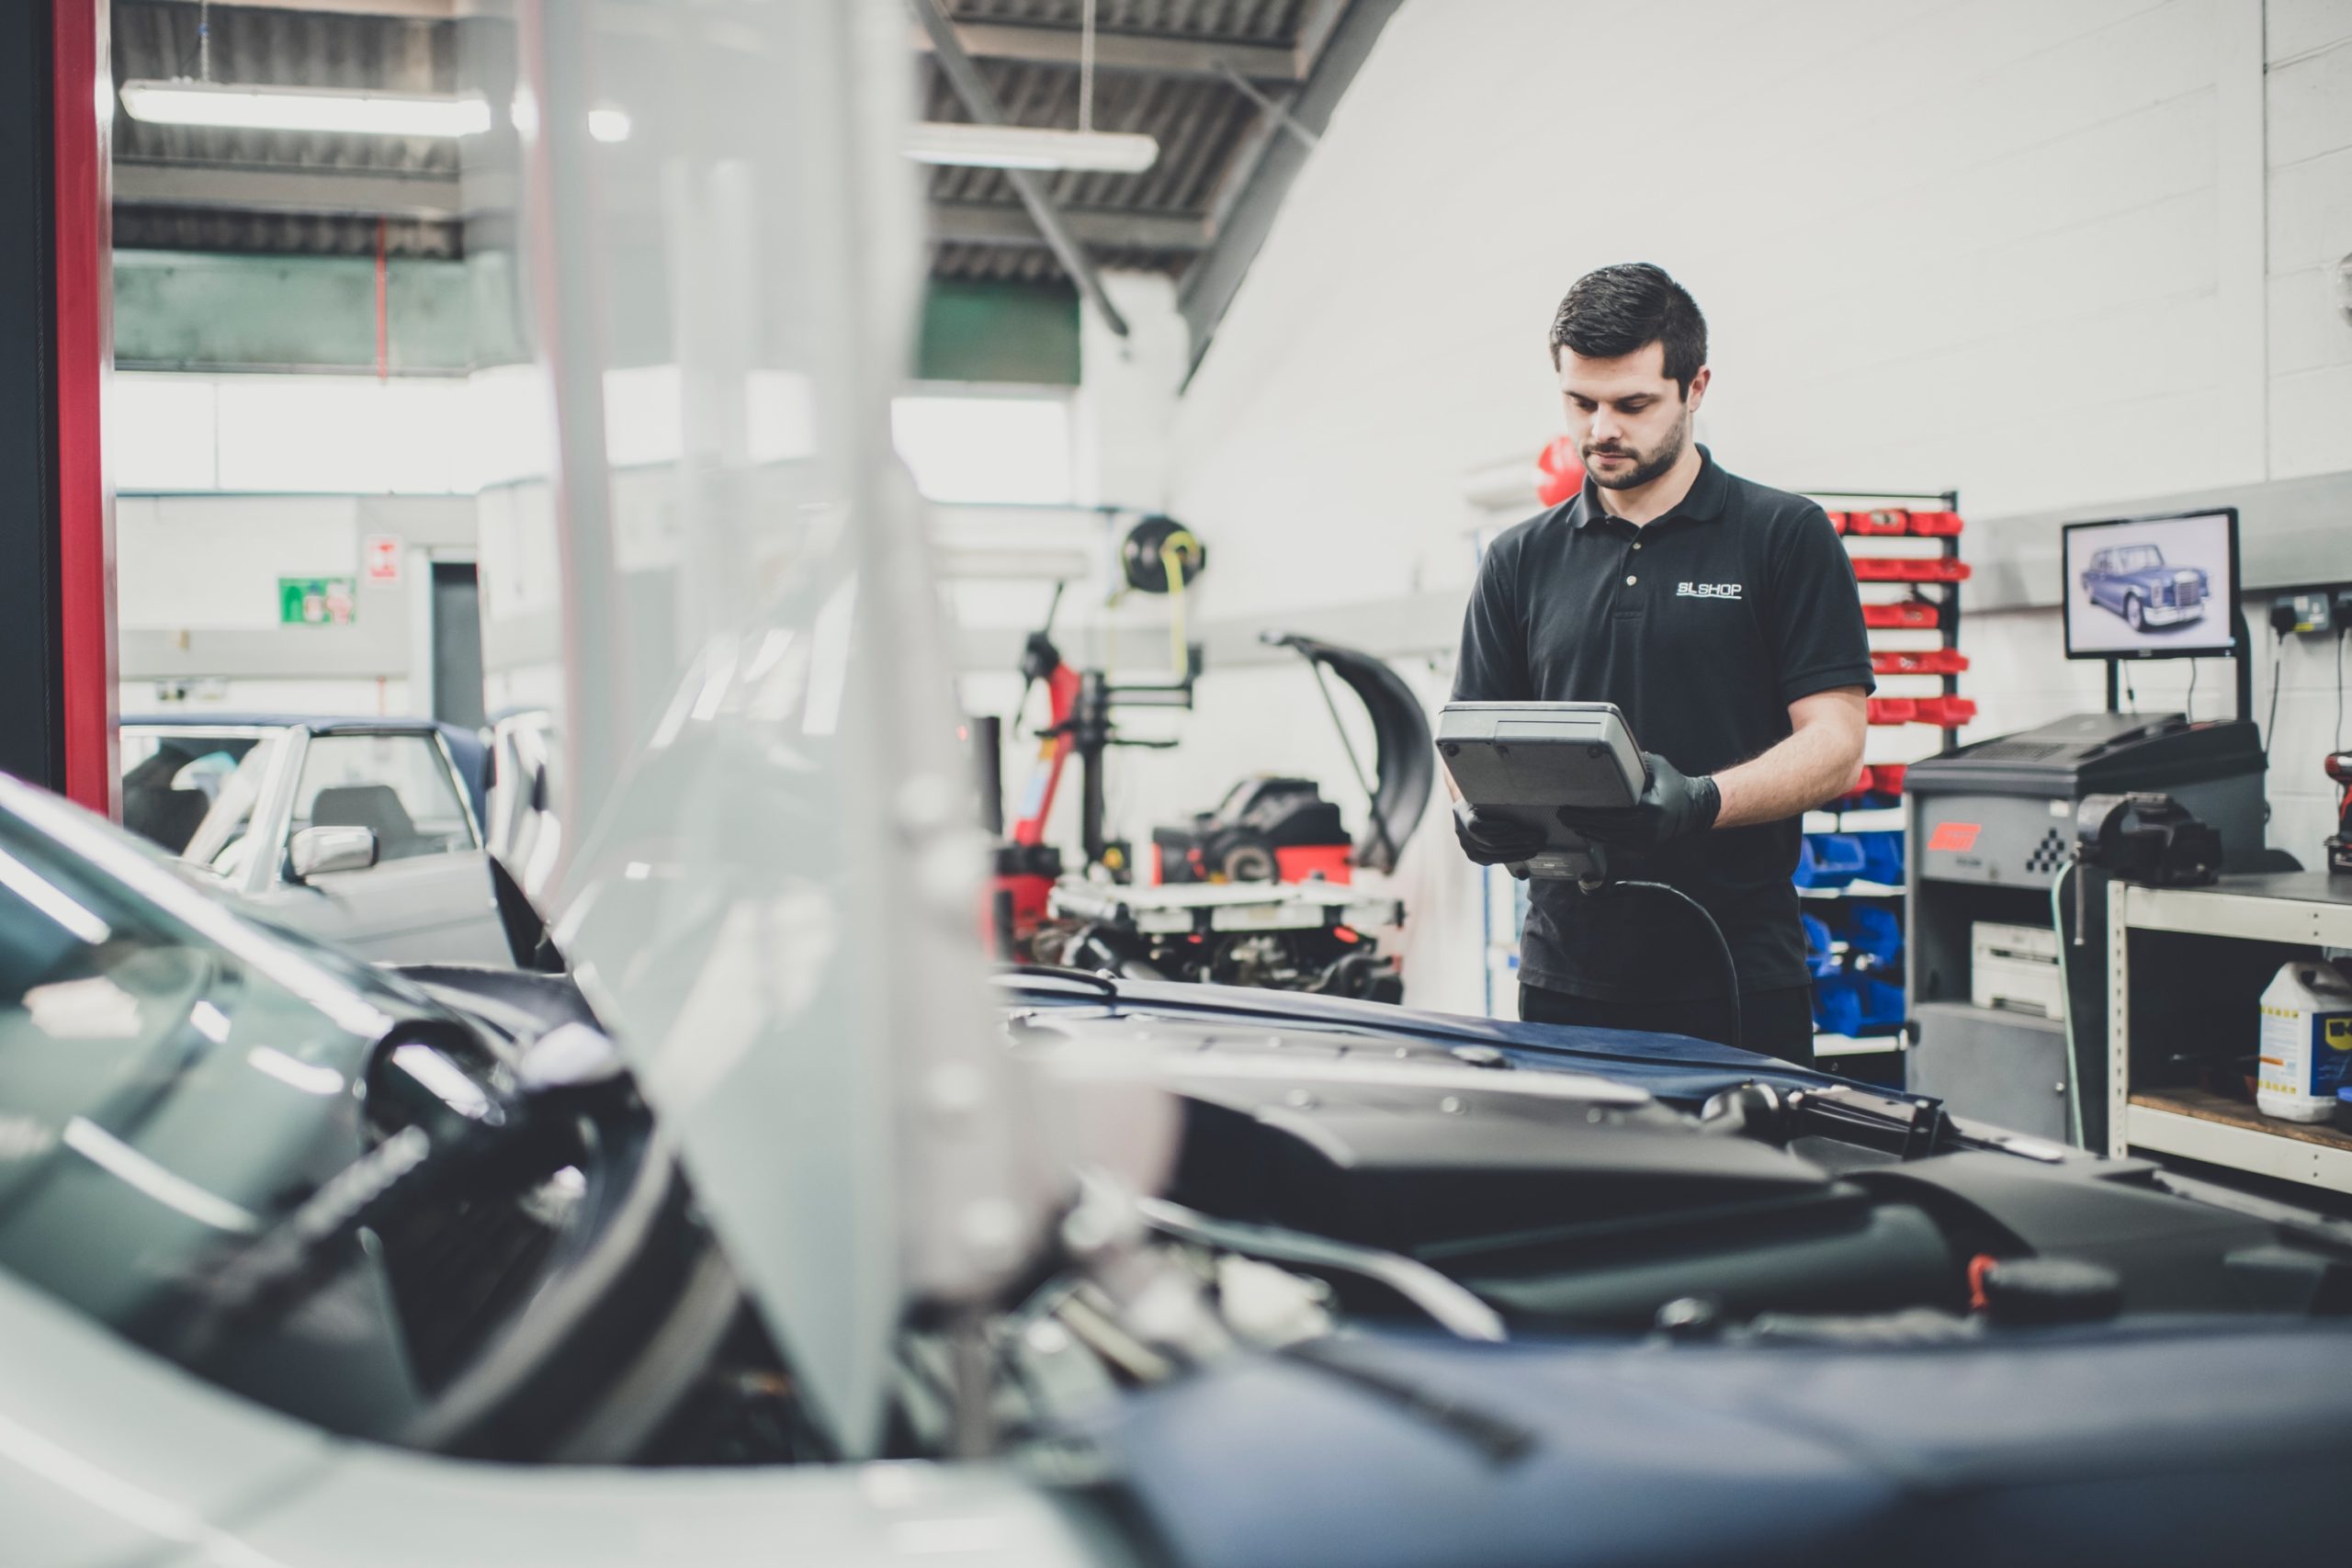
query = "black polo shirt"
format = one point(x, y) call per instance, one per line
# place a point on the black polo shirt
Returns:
point(1703, 626)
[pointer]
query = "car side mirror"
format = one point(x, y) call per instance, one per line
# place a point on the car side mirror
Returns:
point(317, 849)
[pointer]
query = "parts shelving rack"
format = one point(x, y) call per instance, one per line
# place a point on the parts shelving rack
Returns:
point(1929, 599)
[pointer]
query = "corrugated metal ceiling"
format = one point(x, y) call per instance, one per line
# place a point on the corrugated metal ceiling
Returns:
point(153, 38)
point(1204, 123)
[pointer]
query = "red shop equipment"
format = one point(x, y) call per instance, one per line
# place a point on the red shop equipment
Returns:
point(1559, 474)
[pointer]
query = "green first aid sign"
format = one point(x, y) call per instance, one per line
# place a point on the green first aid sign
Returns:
point(314, 601)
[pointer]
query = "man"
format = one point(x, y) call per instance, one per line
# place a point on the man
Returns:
point(1721, 618)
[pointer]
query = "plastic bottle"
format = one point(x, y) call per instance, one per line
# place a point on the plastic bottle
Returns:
point(2306, 1042)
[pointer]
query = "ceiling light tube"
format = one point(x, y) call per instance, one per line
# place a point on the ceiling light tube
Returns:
point(1030, 147)
point(303, 108)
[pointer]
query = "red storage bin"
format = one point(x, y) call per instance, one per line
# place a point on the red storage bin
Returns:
point(1932, 569)
point(1886, 520)
point(1909, 616)
point(1893, 710)
point(1948, 713)
point(1837, 522)
point(1935, 525)
point(1886, 778)
point(1921, 661)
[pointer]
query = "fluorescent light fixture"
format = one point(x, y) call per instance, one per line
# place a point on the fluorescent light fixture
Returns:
point(303, 108)
point(1030, 147)
point(608, 124)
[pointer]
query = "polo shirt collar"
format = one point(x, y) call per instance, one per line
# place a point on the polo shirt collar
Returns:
point(1705, 502)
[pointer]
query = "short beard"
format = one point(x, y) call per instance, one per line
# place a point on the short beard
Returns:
point(1645, 470)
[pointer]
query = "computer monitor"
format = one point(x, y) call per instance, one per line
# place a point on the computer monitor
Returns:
point(2153, 587)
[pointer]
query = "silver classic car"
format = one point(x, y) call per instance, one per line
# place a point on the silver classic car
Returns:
point(364, 832)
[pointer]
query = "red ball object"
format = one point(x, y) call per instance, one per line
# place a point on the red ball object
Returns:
point(1558, 473)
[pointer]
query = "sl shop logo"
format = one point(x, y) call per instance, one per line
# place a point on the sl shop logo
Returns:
point(1707, 590)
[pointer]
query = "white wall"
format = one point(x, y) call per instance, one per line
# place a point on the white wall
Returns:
point(197, 601)
point(228, 482)
point(2308, 234)
point(2010, 246)
point(2048, 254)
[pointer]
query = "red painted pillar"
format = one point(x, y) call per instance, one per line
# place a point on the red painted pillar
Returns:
point(83, 110)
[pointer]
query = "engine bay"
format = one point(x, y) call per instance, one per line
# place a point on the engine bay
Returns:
point(1570, 1203)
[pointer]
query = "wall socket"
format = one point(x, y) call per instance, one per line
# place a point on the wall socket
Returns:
point(2309, 613)
point(2313, 612)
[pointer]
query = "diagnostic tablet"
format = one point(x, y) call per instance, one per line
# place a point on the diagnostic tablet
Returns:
point(1526, 760)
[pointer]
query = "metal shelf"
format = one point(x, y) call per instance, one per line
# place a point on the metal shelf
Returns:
point(1883, 820)
point(1855, 890)
point(2306, 907)
point(2294, 908)
point(1889, 743)
point(1853, 1045)
point(2258, 1152)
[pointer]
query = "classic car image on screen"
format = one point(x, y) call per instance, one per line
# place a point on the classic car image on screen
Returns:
point(2137, 583)
point(2151, 587)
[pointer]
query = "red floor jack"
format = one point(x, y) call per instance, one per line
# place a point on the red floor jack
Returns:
point(2339, 847)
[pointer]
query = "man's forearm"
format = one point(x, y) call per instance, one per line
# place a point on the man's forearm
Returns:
point(1816, 764)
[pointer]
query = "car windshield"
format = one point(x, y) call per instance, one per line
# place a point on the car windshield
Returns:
point(223, 841)
point(175, 1084)
point(172, 778)
point(2135, 558)
point(397, 786)
point(94, 984)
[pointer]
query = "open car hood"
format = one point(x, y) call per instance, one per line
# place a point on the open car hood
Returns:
point(776, 906)
point(1405, 768)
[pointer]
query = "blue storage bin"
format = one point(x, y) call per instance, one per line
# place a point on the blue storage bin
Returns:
point(1879, 1002)
point(1829, 859)
point(1817, 956)
point(1882, 857)
point(1837, 1005)
point(1845, 1002)
point(1873, 933)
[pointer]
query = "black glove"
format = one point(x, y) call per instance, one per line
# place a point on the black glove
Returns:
point(1491, 838)
point(1672, 806)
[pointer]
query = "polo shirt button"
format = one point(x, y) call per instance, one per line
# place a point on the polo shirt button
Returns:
point(1631, 581)
point(1637, 544)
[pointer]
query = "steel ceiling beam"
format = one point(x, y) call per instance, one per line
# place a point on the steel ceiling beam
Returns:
point(1151, 53)
point(373, 192)
point(416, 10)
point(390, 193)
point(1340, 33)
point(981, 99)
point(981, 223)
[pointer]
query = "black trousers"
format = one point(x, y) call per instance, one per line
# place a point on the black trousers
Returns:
point(1779, 1024)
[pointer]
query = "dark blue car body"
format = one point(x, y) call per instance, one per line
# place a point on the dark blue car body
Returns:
point(2186, 1431)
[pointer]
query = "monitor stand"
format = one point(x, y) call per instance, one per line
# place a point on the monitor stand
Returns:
point(2240, 639)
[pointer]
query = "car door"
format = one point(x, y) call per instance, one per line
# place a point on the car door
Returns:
point(428, 897)
point(2101, 582)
